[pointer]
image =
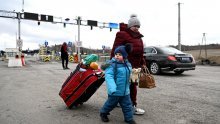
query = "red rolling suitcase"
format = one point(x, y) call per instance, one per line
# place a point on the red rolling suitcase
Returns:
point(80, 86)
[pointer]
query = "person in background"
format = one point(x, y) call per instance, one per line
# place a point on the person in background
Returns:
point(130, 34)
point(64, 55)
point(117, 75)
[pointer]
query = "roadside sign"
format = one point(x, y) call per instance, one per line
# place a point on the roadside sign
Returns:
point(19, 42)
point(46, 43)
point(78, 43)
point(103, 47)
point(70, 44)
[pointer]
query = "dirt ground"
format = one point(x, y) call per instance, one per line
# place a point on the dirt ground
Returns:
point(212, 54)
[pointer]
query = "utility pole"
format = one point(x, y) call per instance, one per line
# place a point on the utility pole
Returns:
point(179, 31)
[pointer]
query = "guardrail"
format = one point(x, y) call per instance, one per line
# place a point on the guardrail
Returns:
point(103, 58)
point(47, 58)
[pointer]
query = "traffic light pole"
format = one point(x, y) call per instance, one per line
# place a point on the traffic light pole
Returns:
point(78, 22)
point(19, 30)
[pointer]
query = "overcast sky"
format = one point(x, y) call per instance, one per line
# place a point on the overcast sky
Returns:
point(159, 21)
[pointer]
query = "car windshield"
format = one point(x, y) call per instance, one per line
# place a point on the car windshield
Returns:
point(171, 50)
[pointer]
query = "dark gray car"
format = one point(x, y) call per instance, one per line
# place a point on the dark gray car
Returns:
point(161, 59)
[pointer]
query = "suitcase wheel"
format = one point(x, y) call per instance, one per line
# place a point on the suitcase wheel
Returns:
point(77, 105)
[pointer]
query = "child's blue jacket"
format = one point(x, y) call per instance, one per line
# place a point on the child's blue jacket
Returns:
point(117, 76)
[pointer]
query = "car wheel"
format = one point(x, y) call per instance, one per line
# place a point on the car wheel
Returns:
point(154, 68)
point(178, 72)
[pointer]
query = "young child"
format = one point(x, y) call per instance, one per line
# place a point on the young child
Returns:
point(117, 75)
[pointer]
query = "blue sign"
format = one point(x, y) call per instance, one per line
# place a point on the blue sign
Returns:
point(113, 25)
point(70, 44)
point(46, 43)
point(103, 47)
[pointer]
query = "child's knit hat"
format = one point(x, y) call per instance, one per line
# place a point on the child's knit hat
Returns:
point(124, 50)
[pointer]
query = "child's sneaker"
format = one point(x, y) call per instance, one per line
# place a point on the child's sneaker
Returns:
point(131, 122)
point(138, 111)
point(104, 117)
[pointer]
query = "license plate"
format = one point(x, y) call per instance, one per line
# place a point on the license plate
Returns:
point(185, 59)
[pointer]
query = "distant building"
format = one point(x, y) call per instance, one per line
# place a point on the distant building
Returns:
point(11, 52)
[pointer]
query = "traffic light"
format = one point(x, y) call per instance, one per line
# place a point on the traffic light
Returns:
point(46, 18)
point(92, 23)
point(31, 16)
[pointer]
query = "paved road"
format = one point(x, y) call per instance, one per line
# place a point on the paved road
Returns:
point(29, 95)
